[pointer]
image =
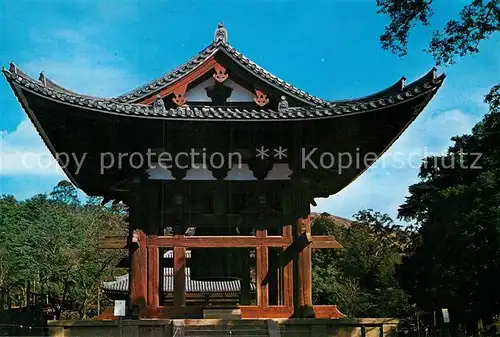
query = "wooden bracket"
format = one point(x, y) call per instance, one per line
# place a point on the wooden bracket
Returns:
point(260, 98)
point(220, 73)
point(180, 95)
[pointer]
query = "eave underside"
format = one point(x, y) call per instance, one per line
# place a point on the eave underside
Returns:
point(81, 125)
point(79, 131)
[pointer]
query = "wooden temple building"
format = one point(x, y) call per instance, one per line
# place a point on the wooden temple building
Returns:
point(223, 146)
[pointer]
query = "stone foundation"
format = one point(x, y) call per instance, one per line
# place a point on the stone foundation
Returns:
point(362, 327)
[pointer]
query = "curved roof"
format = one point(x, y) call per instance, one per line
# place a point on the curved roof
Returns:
point(129, 104)
point(49, 90)
point(377, 120)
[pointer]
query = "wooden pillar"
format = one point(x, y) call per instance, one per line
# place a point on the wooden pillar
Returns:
point(137, 272)
point(288, 273)
point(303, 268)
point(150, 200)
point(180, 276)
point(153, 277)
point(262, 258)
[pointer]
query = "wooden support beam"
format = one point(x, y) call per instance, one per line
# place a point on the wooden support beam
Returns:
point(288, 273)
point(262, 257)
point(319, 241)
point(138, 273)
point(209, 220)
point(247, 312)
point(153, 277)
point(303, 268)
point(179, 275)
point(218, 241)
point(256, 312)
point(327, 311)
point(184, 81)
point(292, 251)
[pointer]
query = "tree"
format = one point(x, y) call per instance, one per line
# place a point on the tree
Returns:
point(477, 22)
point(456, 205)
point(361, 277)
point(64, 192)
point(455, 262)
point(53, 244)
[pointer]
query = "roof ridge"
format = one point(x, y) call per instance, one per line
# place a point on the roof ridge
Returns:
point(212, 47)
point(424, 85)
point(47, 82)
point(289, 88)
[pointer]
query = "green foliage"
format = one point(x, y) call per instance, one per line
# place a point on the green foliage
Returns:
point(404, 15)
point(455, 261)
point(361, 277)
point(477, 21)
point(457, 206)
point(51, 243)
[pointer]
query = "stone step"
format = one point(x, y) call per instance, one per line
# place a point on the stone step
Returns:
point(259, 330)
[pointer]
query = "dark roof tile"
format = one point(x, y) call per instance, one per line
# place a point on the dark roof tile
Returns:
point(219, 113)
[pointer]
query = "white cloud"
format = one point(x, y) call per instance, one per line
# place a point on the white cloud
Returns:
point(23, 153)
point(384, 186)
point(73, 61)
point(78, 64)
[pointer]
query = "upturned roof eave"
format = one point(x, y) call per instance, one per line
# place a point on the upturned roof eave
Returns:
point(420, 87)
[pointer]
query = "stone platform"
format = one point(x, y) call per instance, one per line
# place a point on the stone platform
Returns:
point(362, 327)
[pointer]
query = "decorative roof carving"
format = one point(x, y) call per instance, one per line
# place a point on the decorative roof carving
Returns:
point(283, 104)
point(42, 79)
point(12, 68)
point(423, 86)
point(220, 73)
point(180, 96)
point(159, 105)
point(260, 98)
point(434, 72)
point(220, 33)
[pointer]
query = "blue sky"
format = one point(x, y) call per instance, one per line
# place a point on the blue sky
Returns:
point(328, 48)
